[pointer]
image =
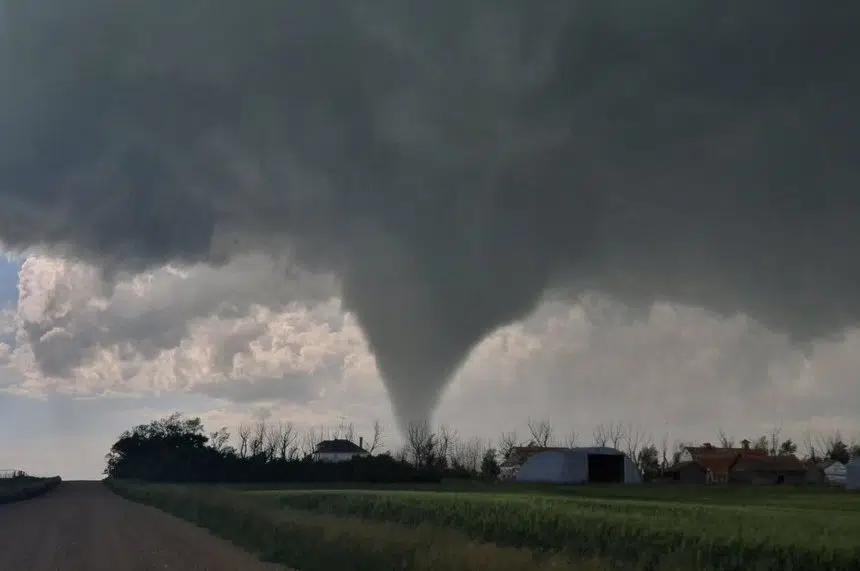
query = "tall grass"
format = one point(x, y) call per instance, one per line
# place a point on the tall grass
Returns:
point(647, 534)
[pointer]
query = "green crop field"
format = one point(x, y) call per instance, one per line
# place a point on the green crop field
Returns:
point(453, 527)
point(643, 527)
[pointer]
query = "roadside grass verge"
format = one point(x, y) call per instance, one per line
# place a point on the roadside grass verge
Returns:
point(320, 542)
point(643, 534)
point(24, 488)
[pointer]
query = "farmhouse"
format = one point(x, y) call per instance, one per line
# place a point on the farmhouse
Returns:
point(708, 464)
point(338, 450)
point(579, 466)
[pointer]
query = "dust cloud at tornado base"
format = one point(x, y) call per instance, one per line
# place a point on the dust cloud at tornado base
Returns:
point(449, 163)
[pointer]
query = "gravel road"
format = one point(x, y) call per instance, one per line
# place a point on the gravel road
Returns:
point(82, 526)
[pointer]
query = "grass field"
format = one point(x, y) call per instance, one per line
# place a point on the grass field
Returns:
point(579, 527)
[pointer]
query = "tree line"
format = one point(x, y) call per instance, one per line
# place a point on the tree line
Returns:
point(179, 449)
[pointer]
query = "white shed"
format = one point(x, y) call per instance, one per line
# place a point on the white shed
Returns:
point(835, 473)
point(580, 466)
point(852, 475)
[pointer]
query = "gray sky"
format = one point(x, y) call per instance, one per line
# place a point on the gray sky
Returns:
point(250, 209)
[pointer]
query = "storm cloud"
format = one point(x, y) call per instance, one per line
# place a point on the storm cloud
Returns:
point(450, 162)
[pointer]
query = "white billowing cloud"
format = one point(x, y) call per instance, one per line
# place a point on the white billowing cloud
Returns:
point(235, 333)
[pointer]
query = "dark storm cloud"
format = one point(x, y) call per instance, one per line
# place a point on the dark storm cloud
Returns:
point(450, 160)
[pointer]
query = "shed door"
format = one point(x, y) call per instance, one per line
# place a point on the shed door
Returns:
point(605, 468)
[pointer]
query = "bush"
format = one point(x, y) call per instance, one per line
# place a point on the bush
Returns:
point(20, 489)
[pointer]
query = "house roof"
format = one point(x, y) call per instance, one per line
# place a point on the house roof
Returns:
point(783, 463)
point(337, 446)
point(708, 449)
point(717, 463)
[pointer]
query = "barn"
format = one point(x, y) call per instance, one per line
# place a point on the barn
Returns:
point(580, 466)
point(852, 475)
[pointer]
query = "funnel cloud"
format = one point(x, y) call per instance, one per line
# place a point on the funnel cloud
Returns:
point(451, 162)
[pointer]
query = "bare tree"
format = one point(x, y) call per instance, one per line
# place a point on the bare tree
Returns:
point(635, 439)
point(611, 433)
point(773, 437)
point(507, 442)
point(473, 452)
point(571, 439)
point(272, 441)
point(244, 436)
point(286, 434)
point(541, 432)
point(402, 454)
point(421, 443)
point(257, 443)
point(601, 438)
point(467, 454)
point(809, 444)
point(664, 452)
point(310, 439)
point(344, 431)
point(726, 441)
point(446, 438)
point(376, 441)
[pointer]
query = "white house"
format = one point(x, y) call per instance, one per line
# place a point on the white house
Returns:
point(579, 466)
point(338, 450)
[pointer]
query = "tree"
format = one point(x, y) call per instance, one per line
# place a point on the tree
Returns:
point(762, 444)
point(601, 439)
point(170, 449)
point(421, 443)
point(489, 465)
point(664, 452)
point(787, 448)
point(507, 442)
point(244, 436)
point(726, 441)
point(838, 451)
point(219, 439)
point(375, 441)
point(809, 445)
point(609, 434)
point(774, 441)
point(648, 462)
point(286, 437)
point(635, 439)
point(541, 432)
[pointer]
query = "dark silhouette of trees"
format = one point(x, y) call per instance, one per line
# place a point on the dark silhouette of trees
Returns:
point(177, 449)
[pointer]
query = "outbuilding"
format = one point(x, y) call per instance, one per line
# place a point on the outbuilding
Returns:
point(852, 475)
point(580, 466)
point(834, 473)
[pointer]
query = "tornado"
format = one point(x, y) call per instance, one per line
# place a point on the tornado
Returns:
point(450, 162)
